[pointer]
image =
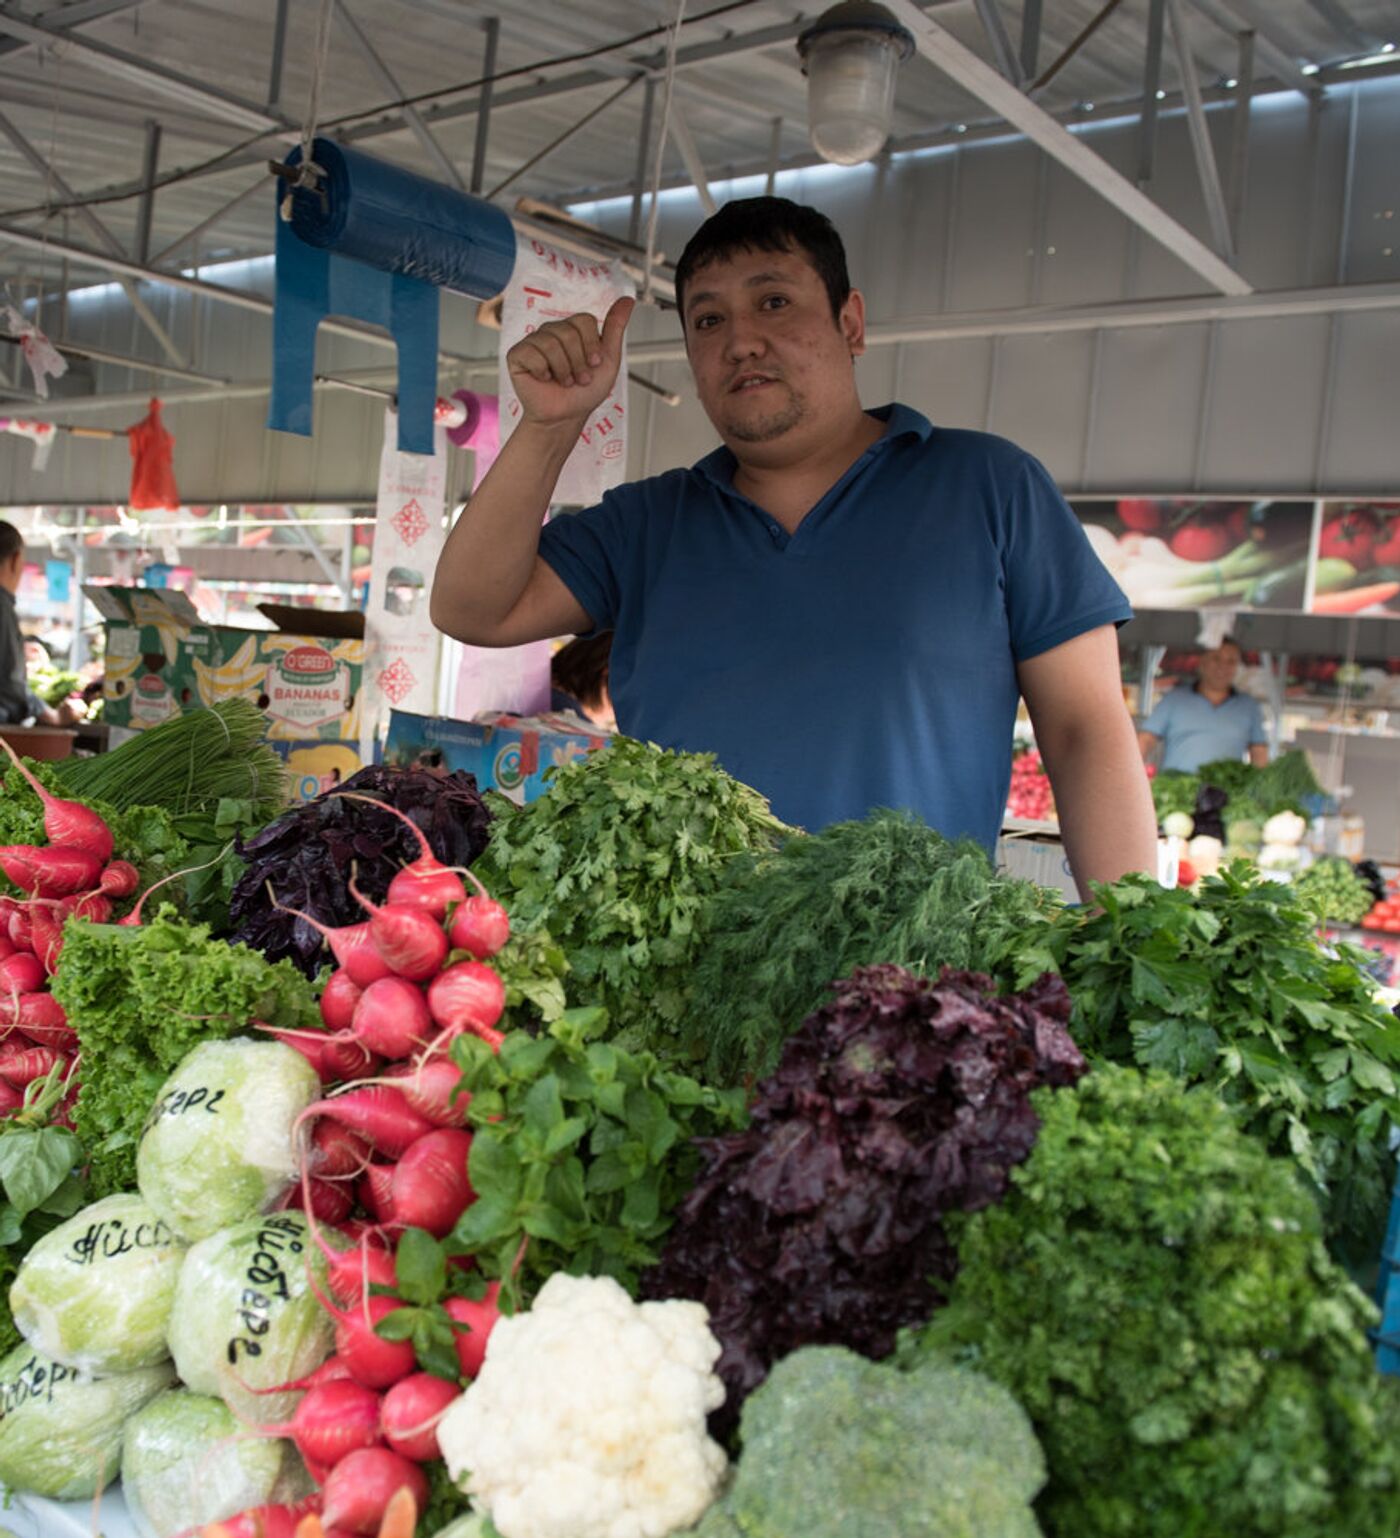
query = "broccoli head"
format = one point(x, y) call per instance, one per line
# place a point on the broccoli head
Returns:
point(835, 1446)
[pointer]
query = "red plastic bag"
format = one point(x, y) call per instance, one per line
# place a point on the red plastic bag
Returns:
point(152, 470)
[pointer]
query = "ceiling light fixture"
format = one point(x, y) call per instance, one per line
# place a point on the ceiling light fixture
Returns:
point(850, 56)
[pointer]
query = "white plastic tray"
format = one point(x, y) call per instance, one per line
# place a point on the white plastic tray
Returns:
point(31, 1516)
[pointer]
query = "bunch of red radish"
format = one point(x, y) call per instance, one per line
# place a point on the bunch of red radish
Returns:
point(73, 874)
point(389, 1139)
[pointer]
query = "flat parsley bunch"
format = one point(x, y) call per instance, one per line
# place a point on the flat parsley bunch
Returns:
point(619, 862)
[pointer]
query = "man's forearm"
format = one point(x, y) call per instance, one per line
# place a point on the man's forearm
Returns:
point(1104, 803)
point(490, 553)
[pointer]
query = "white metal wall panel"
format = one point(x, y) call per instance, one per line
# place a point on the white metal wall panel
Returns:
point(1042, 398)
point(1362, 450)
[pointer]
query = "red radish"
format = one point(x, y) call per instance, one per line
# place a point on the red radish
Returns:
point(119, 879)
point(430, 1187)
point(377, 1193)
point(326, 1201)
point(261, 1521)
point(411, 1412)
point(329, 1371)
point(392, 1017)
point(380, 1114)
point(351, 946)
point(363, 1483)
point(430, 1089)
point(336, 1152)
point(372, 1361)
point(67, 823)
point(410, 942)
point(468, 995)
point(19, 932)
point(22, 973)
point(62, 1038)
point(331, 1420)
point(11, 1099)
point(95, 907)
point(353, 1272)
point(333, 1057)
point(426, 883)
point(480, 925)
point(480, 1314)
point(22, 1065)
point(47, 929)
point(51, 872)
point(6, 946)
point(338, 1000)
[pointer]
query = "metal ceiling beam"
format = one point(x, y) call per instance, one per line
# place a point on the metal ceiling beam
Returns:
point(685, 142)
point(1151, 84)
point(104, 236)
point(1335, 14)
point(279, 54)
point(561, 138)
point(1239, 134)
point(104, 107)
point(1201, 148)
point(946, 53)
point(995, 28)
point(75, 15)
point(143, 365)
point(129, 66)
point(483, 109)
point(206, 224)
point(1030, 38)
point(146, 211)
point(390, 86)
point(1230, 15)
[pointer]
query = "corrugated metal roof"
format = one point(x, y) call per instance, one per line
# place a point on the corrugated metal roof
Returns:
point(89, 124)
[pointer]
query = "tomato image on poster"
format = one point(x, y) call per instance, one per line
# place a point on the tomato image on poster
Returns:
point(1358, 559)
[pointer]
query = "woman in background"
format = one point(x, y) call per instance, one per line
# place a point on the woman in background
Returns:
point(578, 676)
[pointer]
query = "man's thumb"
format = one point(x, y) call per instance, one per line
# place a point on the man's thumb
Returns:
point(615, 323)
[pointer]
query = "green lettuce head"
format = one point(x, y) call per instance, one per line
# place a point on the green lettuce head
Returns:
point(95, 1293)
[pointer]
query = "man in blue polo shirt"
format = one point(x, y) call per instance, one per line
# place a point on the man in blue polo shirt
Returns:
point(1205, 721)
point(842, 605)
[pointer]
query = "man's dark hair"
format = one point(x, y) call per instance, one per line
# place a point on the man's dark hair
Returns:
point(768, 224)
point(11, 540)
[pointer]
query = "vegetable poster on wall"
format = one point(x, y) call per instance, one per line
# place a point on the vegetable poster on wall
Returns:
point(1186, 553)
point(401, 643)
point(1358, 559)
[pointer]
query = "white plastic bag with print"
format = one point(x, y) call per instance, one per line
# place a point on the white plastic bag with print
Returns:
point(549, 284)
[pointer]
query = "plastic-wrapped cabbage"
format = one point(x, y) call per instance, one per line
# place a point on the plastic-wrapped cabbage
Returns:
point(245, 1316)
point(218, 1142)
point(95, 1292)
point(182, 1465)
point(61, 1432)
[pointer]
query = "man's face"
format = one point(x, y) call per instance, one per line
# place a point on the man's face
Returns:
point(1219, 667)
point(768, 356)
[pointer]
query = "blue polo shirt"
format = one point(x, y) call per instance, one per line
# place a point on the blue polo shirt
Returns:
point(869, 659)
point(1195, 732)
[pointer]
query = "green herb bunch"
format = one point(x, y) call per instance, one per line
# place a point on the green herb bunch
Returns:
point(581, 1152)
point(1228, 987)
point(884, 889)
point(1155, 1293)
point(619, 861)
point(140, 999)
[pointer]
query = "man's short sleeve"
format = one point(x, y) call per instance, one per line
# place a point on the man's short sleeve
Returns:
point(1056, 587)
point(1258, 732)
point(589, 551)
point(1159, 722)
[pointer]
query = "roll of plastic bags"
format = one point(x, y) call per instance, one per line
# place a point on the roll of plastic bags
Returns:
point(397, 221)
point(60, 1431)
point(218, 1142)
point(95, 1293)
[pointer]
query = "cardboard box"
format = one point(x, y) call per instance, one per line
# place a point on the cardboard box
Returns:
point(145, 627)
point(504, 752)
point(1035, 852)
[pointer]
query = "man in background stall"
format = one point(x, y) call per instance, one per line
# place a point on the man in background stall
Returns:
point(843, 605)
point(19, 705)
point(1207, 720)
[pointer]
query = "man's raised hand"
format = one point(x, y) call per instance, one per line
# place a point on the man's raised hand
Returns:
point(565, 370)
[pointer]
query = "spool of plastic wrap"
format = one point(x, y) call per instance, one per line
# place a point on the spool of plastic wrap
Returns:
point(400, 222)
point(374, 243)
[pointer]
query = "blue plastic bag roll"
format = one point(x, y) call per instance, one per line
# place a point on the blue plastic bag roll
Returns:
point(401, 222)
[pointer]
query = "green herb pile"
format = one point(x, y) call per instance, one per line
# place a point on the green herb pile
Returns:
point(619, 862)
point(1283, 785)
point(1331, 890)
point(53, 684)
point(1229, 988)
point(884, 889)
point(1155, 1292)
point(581, 1152)
point(140, 999)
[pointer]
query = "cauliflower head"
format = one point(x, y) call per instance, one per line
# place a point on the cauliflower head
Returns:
point(587, 1419)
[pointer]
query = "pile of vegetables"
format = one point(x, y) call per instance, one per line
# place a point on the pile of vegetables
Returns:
point(1155, 1293)
point(899, 1102)
point(1232, 800)
point(1228, 988)
point(295, 873)
point(884, 889)
point(1029, 794)
point(1331, 890)
point(619, 862)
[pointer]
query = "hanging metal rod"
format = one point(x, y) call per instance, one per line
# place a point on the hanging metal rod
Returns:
point(120, 360)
